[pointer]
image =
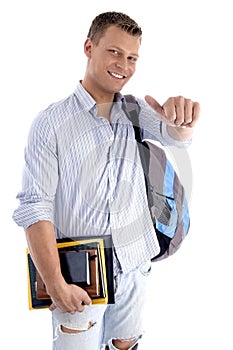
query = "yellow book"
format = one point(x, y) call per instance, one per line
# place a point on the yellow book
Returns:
point(104, 244)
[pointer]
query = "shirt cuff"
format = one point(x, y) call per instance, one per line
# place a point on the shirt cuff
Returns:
point(171, 141)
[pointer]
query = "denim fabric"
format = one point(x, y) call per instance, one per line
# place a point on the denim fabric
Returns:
point(122, 320)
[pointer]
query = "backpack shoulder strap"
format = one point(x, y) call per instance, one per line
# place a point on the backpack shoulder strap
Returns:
point(132, 110)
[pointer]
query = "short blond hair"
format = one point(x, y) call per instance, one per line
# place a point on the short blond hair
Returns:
point(118, 19)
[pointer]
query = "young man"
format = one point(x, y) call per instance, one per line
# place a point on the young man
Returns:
point(83, 176)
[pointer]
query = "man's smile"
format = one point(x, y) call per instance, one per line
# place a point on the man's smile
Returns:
point(116, 75)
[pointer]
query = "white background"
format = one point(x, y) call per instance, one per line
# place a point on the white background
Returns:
point(186, 50)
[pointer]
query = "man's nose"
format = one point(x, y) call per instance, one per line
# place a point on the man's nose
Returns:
point(122, 63)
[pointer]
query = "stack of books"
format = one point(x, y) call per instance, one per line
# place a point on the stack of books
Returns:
point(86, 262)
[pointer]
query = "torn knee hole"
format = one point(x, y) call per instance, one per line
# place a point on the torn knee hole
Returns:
point(73, 330)
point(123, 344)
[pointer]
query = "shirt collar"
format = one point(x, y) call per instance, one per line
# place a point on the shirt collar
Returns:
point(84, 98)
point(87, 100)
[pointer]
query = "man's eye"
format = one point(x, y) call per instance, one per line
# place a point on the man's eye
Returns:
point(132, 59)
point(114, 52)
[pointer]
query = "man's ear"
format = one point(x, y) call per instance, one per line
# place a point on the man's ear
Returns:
point(88, 47)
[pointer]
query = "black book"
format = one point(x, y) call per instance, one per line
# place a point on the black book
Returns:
point(75, 267)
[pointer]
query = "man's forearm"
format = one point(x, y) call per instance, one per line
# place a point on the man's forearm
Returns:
point(43, 249)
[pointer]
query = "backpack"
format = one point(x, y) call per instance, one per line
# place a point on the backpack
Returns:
point(165, 193)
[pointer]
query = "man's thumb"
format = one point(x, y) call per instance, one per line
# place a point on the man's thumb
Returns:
point(154, 104)
point(52, 307)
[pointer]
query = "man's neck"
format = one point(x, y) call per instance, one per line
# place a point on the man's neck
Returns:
point(98, 95)
point(103, 100)
point(104, 110)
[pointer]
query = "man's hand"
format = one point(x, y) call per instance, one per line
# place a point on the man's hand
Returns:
point(179, 113)
point(69, 298)
point(176, 111)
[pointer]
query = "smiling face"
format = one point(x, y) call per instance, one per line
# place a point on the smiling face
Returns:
point(111, 63)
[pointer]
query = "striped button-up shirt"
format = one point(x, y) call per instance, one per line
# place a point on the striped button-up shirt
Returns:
point(83, 173)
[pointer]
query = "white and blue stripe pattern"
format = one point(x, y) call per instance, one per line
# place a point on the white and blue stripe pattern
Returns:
point(84, 174)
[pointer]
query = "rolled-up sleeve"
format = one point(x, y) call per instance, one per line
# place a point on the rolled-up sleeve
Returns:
point(40, 175)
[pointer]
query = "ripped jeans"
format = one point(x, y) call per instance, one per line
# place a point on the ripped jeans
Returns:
point(101, 324)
